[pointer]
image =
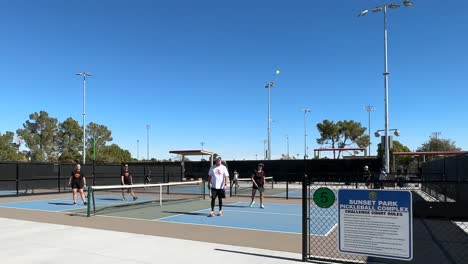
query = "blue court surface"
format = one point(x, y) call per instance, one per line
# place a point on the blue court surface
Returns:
point(66, 204)
point(285, 218)
point(8, 192)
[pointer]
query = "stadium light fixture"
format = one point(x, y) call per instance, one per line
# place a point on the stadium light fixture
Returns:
point(386, 73)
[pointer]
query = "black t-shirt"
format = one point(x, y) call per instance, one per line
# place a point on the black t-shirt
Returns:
point(77, 174)
point(127, 177)
point(259, 177)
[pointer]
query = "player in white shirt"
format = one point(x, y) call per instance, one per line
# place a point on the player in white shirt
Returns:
point(217, 181)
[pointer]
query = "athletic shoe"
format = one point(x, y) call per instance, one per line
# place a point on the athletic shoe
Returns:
point(252, 203)
point(74, 203)
point(134, 198)
point(211, 214)
point(261, 206)
point(220, 213)
point(85, 203)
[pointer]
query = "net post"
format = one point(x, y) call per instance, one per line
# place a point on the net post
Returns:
point(287, 190)
point(304, 218)
point(204, 189)
point(272, 182)
point(160, 195)
point(88, 205)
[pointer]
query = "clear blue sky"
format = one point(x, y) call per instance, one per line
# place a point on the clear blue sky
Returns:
point(196, 70)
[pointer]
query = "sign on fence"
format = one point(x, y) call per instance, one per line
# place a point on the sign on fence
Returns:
point(376, 223)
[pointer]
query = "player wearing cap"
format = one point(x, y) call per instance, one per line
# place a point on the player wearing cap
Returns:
point(217, 181)
point(258, 183)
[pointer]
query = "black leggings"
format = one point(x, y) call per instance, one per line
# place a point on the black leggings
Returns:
point(217, 193)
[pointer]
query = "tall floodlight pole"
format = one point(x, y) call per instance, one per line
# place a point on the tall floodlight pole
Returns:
point(386, 73)
point(202, 145)
point(84, 75)
point(305, 131)
point(369, 109)
point(138, 149)
point(269, 86)
point(147, 141)
point(287, 143)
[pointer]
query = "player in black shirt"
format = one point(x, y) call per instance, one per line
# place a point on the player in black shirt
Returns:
point(77, 182)
point(126, 179)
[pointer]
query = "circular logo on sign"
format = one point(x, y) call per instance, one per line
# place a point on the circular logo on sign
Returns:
point(324, 197)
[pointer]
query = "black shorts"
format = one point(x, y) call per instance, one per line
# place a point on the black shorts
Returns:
point(218, 192)
point(128, 188)
point(77, 184)
point(255, 186)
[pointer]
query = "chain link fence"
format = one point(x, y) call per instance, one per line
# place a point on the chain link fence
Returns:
point(440, 221)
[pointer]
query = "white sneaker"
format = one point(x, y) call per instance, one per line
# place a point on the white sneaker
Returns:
point(252, 203)
point(261, 206)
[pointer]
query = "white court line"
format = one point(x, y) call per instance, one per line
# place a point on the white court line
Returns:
point(32, 209)
point(331, 229)
point(245, 228)
point(191, 212)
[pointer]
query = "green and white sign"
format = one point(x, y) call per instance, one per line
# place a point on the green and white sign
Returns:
point(324, 197)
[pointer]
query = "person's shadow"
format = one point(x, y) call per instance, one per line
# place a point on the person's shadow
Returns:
point(185, 213)
point(57, 203)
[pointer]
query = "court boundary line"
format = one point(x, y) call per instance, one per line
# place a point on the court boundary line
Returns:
point(229, 227)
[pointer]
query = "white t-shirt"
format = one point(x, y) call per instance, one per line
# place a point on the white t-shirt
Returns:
point(218, 174)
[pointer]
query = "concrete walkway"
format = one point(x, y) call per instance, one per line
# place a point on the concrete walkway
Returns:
point(25, 242)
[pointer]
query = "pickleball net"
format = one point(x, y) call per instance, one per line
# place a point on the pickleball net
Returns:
point(110, 198)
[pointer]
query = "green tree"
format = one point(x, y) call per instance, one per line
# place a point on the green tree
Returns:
point(69, 141)
point(40, 135)
point(102, 135)
point(329, 134)
point(113, 154)
point(438, 144)
point(400, 161)
point(342, 134)
point(9, 151)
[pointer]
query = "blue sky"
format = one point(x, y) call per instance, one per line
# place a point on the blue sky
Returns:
point(196, 70)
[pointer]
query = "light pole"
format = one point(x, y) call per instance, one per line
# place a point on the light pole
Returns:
point(436, 134)
point(202, 145)
point(287, 143)
point(84, 74)
point(147, 141)
point(269, 86)
point(138, 149)
point(369, 109)
point(386, 73)
point(305, 132)
point(264, 149)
